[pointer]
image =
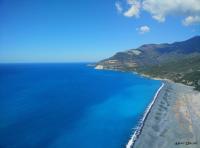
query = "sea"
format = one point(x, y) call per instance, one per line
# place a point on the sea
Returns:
point(70, 105)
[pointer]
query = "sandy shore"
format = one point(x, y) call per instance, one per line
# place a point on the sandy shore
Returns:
point(140, 126)
point(174, 119)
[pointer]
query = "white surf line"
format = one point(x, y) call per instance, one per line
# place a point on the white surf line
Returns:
point(141, 123)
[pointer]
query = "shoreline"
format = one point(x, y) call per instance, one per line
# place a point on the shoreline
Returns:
point(140, 126)
point(171, 119)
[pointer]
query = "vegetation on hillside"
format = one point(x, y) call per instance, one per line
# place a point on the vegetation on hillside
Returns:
point(179, 61)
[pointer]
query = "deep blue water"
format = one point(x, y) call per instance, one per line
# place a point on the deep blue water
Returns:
point(69, 106)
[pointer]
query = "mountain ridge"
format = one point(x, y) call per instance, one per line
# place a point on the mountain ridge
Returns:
point(178, 61)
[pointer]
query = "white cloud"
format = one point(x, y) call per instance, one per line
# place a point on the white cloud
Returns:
point(131, 2)
point(143, 29)
point(134, 9)
point(191, 20)
point(161, 9)
point(118, 7)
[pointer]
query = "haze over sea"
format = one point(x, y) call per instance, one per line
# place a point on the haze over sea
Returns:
point(70, 106)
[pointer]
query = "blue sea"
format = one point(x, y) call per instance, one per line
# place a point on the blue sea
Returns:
point(70, 106)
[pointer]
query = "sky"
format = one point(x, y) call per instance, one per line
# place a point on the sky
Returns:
point(90, 30)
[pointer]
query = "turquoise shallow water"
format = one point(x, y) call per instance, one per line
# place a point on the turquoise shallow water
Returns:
point(70, 106)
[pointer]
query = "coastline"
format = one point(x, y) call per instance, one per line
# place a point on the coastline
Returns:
point(173, 120)
point(139, 128)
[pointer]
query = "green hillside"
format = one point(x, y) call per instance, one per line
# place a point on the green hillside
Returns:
point(179, 61)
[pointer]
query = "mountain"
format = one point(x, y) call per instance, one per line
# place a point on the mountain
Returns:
point(179, 61)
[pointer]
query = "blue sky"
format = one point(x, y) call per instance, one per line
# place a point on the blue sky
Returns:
point(87, 30)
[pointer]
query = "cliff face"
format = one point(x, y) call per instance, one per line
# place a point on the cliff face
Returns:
point(179, 61)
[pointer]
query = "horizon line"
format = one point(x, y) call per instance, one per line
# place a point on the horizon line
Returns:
point(48, 62)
